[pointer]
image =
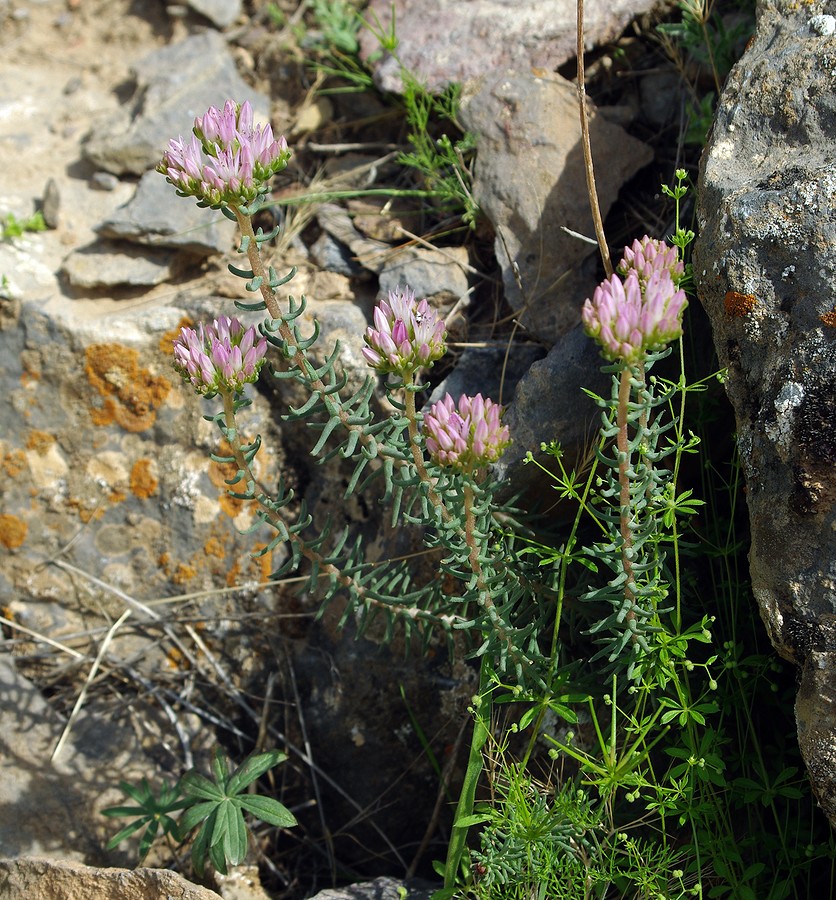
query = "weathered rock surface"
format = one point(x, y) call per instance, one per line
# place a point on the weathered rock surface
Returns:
point(48, 879)
point(379, 889)
point(157, 217)
point(531, 184)
point(766, 272)
point(219, 12)
point(173, 85)
point(443, 42)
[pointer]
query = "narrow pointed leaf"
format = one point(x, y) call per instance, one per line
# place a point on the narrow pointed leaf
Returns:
point(268, 810)
point(251, 769)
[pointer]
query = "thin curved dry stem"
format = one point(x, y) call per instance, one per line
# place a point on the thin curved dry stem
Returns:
point(592, 190)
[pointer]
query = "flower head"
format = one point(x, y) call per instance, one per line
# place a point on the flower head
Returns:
point(223, 356)
point(641, 312)
point(406, 335)
point(466, 436)
point(228, 160)
point(649, 255)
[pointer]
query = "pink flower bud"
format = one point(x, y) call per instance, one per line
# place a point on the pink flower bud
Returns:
point(406, 335)
point(467, 436)
point(223, 356)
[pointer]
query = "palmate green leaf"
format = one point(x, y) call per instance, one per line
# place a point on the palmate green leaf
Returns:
point(200, 847)
point(230, 833)
point(196, 785)
point(251, 769)
point(268, 810)
point(195, 815)
point(127, 831)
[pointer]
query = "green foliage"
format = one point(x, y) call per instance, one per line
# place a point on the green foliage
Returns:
point(217, 806)
point(443, 162)
point(12, 227)
point(712, 35)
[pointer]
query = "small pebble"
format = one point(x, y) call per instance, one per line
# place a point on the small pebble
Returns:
point(104, 181)
point(51, 203)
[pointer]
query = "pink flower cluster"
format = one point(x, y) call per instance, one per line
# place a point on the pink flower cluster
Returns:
point(467, 436)
point(221, 357)
point(641, 312)
point(648, 255)
point(227, 160)
point(406, 335)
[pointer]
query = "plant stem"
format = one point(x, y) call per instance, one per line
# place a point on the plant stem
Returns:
point(591, 189)
point(625, 504)
point(464, 808)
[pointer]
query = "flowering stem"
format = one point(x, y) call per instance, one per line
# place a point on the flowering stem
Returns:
point(232, 435)
point(625, 505)
point(415, 448)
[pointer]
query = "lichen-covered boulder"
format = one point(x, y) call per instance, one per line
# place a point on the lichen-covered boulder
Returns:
point(766, 274)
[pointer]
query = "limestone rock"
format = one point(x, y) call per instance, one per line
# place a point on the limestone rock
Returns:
point(219, 12)
point(47, 879)
point(379, 889)
point(531, 184)
point(108, 264)
point(443, 42)
point(766, 272)
point(429, 271)
point(156, 216)
point(173, 85)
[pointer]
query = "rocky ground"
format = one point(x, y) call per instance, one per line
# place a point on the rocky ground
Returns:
point(109, 503)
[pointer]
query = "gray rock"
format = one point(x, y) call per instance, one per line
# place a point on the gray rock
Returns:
point(27, 879)
point(219, 12)
point(333, 256)
point(173, 85)
point(157, 217)
point(379, 889)
point(549, 405)
point(337, 222)
point(531, 184)
point(492, 371)
point(105, 264)
point(444, 42)
point(766, 272)
point(103, 181)
point(430, 272)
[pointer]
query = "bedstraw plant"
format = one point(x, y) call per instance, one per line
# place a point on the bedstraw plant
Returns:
point(585, 644)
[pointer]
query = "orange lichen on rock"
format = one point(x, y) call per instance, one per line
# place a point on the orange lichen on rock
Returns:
point(829, 318)
point(130, 394)
point(39, 441)
point(13, 531)
point(213, 547)
point(143, 483)
point(183, 573)
point(738, 305)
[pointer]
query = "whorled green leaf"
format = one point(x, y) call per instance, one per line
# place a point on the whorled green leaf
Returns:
point(252, 769)
point(268, 810)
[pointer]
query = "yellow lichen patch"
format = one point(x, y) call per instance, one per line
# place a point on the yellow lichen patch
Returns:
point(183, 573)
point(213, 547)
point(39, 441)
point(829, 318)
point(167, 340)
point(143, 482)
point(14, 463)
point(130, 394)
point(12, 531)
